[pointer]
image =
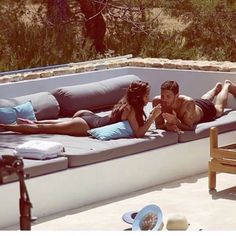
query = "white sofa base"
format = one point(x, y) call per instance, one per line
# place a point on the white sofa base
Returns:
point(93, 183)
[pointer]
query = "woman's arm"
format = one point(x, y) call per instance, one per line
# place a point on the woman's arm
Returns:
point(159, 121)
point(139, 131)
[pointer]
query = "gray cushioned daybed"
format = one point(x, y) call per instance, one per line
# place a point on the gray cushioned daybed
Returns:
point(80, 151)
point(91, 170)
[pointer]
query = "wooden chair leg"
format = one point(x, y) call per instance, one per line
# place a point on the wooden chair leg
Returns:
point(213, 146)
point(211, 179)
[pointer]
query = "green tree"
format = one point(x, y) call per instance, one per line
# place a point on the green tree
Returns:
point(211, 27)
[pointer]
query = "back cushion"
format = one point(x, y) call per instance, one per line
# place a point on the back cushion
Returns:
point(92, 96)
point(45, 105)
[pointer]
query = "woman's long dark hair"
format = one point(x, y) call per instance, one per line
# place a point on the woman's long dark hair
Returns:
point(134, 97)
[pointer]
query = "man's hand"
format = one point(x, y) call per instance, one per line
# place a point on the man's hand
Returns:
point(170, 118)
point(171, 121)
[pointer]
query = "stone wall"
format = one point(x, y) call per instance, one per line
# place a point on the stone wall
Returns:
point(121, 61)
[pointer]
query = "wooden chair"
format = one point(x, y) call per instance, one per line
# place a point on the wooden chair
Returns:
point(223, 159)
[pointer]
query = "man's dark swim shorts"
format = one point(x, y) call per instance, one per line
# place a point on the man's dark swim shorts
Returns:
point(208, 108)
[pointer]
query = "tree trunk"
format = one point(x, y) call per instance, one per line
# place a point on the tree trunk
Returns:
point(94, 22)
point(58, 11)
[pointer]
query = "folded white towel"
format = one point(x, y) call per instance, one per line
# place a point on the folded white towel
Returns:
point(39, 149)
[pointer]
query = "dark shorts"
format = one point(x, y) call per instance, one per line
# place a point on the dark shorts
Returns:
point(208, 108)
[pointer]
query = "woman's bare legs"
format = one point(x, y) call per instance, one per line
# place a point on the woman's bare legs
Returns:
point(74, 127)
point(210, 95)
point(48, 121)
point(26, 121)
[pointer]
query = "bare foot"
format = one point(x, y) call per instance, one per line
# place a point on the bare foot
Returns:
point(232, 88)
point(218, 87)
point(24, 121)
point(210, 95)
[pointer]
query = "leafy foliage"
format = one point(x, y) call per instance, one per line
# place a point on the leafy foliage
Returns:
point(211, 32)
point(28, 40)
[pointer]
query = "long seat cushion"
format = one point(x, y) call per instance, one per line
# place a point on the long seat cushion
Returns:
point(225, 123)
point(87, 150)
point(92, 150)
point(44, 103)
point(92, 96)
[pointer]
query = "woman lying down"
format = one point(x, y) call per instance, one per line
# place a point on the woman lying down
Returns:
point(130, 108)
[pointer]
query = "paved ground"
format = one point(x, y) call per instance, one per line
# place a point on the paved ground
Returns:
point(190, 197)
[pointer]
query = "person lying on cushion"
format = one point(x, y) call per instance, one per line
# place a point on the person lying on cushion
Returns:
point(130, 107)
point(180, 112)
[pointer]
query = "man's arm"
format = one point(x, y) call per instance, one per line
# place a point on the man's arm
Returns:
point(159, 121)
point(187, 122)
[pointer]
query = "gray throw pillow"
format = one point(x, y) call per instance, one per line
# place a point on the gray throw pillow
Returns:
point(44, 103)
point(92, 96)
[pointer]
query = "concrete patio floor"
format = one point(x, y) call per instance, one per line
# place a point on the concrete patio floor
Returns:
point(189, 197)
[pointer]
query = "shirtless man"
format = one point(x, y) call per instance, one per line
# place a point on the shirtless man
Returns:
point(180, 112)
